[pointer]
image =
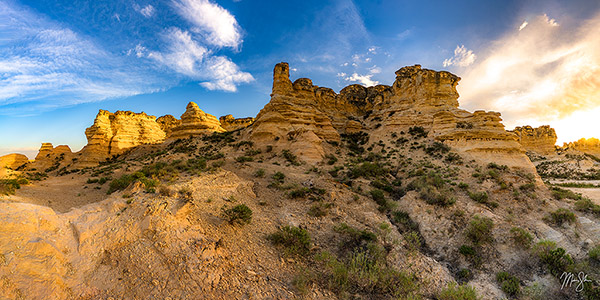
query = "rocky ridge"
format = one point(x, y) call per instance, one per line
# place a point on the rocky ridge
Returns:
point(540, 140)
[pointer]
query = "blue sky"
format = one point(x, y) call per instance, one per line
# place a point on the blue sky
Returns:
point(61, 61)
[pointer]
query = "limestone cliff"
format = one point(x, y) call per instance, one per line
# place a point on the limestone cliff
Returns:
point(540, 140)
point(50, 157)
point(11, 161)
point(589, 146)
point(113, 133)
point(167, 123)
point(418, 97)
point(230, 123)
point(195, 122)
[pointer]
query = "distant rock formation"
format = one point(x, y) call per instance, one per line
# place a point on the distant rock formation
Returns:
point(195, 122)
point(589, 146)
point(300, 115)
point(50, 157)
point(540, 140)
point(230, 123)
point(167, 123)
point(13, 161)
point(114, 133)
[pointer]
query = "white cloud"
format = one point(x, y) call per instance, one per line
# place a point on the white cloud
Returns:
point(523, 25)
point(363, 79)
point(543, 74)
point(48, 66)
point(225, 75)
point(147, 11)
point(188, 57)
point(210, 19)
point(462, 57)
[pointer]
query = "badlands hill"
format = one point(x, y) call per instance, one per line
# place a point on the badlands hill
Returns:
point(386, 192)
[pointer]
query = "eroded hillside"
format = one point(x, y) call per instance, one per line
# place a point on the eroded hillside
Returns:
point(387, 192)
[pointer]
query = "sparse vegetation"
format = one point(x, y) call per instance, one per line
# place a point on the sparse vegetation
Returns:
point(479, 230)
point(294, 240)
point(240, 214)
point(594, 253)
point(508, 283)
point(560, 194)
point(417, 131)
point(290, 157)
point(521, 237)
point(458, 292)
point(554, 258)
point(9, 186)
point(433, 189)
point(561, 216)
point(320, 209)
point(259, 173)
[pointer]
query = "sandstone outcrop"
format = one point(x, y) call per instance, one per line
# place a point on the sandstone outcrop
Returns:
point(167, 123)
point(540, 140)
point(589, 146)
point(230, 123)
point(12, 161)
point(114, 133)
point(418, 97)
point(195, 122)
point(50, 157)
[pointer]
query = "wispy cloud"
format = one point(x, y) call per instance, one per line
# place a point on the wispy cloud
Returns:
point(147, 11)
point(50, 66)
point(541, 73)
point(462, 57)
point(216, 23)
point(362, 79)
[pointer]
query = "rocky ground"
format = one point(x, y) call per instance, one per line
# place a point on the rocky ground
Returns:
point(170, 238)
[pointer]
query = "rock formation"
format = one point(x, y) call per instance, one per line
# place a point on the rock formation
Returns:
point(114, 133)
point(195, 122)
point(589, 146)
point(167, 123)
point(11, 161)
point(230, 123)
point(50, 157)
point(418, 97)
point(540, 140)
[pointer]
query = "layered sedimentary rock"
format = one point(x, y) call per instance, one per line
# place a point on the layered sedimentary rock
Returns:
point(114, 133)
point(52, 157)
point(230, 123)
point(167, 123)
point(540, 140)
point(418, 97)
point(195, 122)
point(589, 146)
point(13, 161)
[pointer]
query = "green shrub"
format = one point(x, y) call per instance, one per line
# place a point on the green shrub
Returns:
point(9, 186)
point(379, 198)
point(458, 292)
point(480, 230)
point(241, 214)
point(521, 237)
point(508, 283)
point(586, 205)
point(464, 274)
point(259, 173)
point(124, 181)
point(413, 240)
point(279, 177)
point(467, 250)
point(299, 193)
point(433, 189)
point(453, 158)
point(294, 240)
point(319, 209)
point(554, 258)
point(417, 131)
point(560, 216)
point(560, 194)
point(528, 187)
point(595, 253)
point(436, 149)
point(481, 197)
point(403, 221)
point(463, 186)
point(242, 159)
point(331, 159)
point(290, 157)
point(493, 165)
